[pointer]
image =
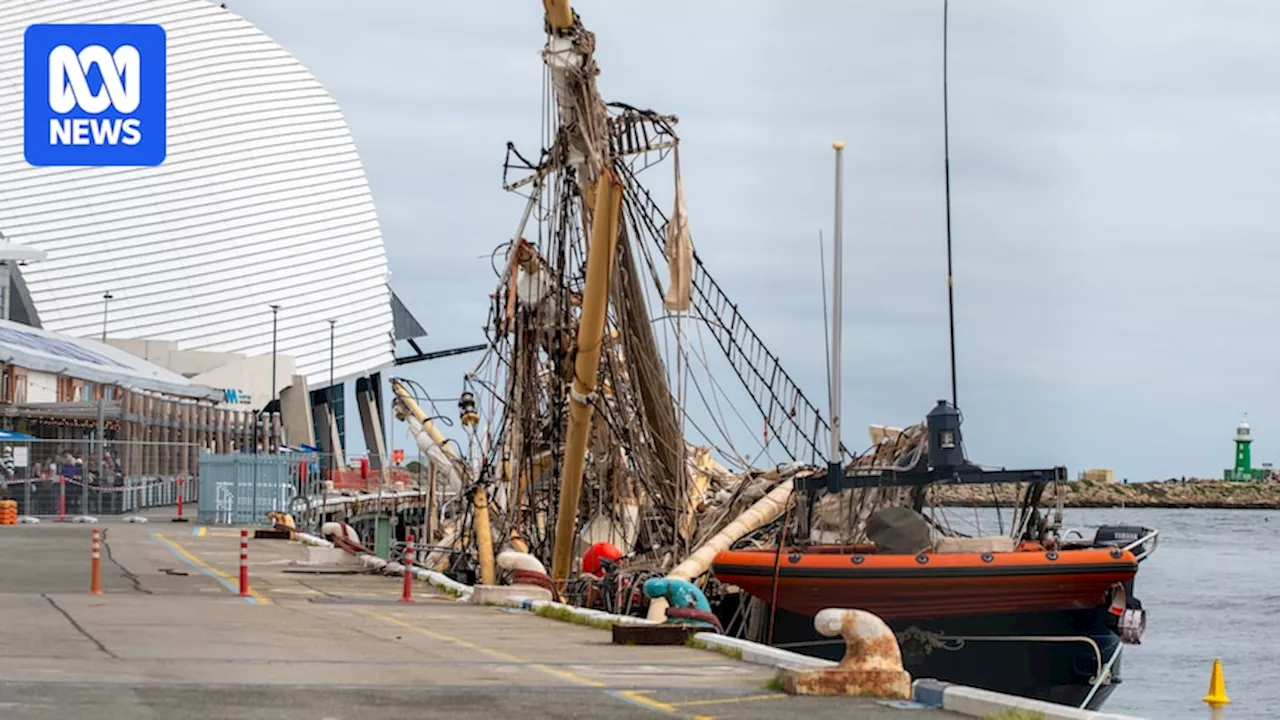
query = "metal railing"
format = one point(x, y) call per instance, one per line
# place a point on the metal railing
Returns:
point(68, 497)
point(52, 477)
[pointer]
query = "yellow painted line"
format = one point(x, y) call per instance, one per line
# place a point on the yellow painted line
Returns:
point(444, 638)
point(564, 674)
point(226, 579)
point(571, 677)
point(748, 698)
point(203, 531)
point(638, 698)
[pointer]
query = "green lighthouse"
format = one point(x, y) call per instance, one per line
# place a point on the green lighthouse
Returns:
point(1243, 470)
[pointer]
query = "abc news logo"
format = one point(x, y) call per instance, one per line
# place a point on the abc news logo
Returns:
point(69, 89)
point(95, 95)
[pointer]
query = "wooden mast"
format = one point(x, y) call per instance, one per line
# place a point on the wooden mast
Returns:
point(559, 14)
point(595, 305)
point(602, 200)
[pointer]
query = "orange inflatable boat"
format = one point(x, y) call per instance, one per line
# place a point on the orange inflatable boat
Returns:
point(930, 584)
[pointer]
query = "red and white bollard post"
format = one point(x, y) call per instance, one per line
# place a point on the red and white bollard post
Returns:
point(95, 572)
point(407, 595)
point(181, 482)
point(244, 563)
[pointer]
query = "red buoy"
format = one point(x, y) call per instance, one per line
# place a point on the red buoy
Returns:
point(601, 550)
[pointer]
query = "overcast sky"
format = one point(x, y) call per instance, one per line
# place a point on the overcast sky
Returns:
point(1113, 183)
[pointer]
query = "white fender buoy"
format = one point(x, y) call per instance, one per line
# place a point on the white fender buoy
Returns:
point(516, 560)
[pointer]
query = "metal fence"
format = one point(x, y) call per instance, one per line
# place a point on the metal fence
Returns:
point(63, 497)
point(77, 476)
point(241, 488)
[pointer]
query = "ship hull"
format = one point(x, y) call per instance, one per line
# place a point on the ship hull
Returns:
point(1032, 622)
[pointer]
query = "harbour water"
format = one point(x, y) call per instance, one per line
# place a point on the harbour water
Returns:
point(1211, 590)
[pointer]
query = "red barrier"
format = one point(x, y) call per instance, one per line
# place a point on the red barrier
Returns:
point(407, 595)
point(181, 480)
point(244, 563)
point(344, 479)
point(95, 572)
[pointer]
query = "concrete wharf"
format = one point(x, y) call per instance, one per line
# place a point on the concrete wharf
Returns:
point(170, 639)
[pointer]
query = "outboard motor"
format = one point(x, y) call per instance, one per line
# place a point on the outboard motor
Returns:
point(1118, 534)
point(1128, 618)
point(1124, 535)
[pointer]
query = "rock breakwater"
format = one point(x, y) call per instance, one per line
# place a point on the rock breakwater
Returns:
point(1193, 493)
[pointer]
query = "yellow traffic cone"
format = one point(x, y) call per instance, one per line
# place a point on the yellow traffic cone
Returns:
point(1217, 696)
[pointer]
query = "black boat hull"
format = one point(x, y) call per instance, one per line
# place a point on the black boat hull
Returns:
point(1008, 653)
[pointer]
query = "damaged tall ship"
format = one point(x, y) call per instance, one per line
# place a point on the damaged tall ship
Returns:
point(575, 454)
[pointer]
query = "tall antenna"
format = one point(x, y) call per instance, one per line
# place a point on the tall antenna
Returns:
point(946, 165)
point(835, 457)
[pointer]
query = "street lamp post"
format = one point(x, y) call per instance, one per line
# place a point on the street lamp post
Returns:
point(275, 316)
point(333, 451)
point(106, 298)
point(332, 323)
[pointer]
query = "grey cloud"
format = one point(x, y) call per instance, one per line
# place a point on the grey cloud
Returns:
point(1112, 170)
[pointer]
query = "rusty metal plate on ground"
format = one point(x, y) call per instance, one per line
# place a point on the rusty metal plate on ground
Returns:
point(652, 634)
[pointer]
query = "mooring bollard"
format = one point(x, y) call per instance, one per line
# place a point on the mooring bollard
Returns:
point(407, 595)
point(95, 566)
point(244, 563)
point(872, 663)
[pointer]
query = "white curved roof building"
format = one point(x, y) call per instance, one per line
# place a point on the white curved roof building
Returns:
point(261, 199)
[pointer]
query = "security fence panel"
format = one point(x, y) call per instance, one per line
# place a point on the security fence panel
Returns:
point(241, 488)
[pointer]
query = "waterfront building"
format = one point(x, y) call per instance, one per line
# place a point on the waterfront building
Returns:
point(250, 259)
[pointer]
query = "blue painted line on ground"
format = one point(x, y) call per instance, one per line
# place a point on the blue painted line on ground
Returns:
point(905, 705)
point(225, 583)
point(195, 531)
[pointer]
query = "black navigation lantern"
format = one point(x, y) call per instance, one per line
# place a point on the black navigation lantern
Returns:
point(946, 448)
point(467, 408)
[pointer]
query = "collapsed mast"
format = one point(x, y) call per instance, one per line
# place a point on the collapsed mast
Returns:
point(583, 439)
point(588, 405)
point(588, 442)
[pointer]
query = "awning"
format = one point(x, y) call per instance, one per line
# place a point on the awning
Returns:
point(85, 359)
